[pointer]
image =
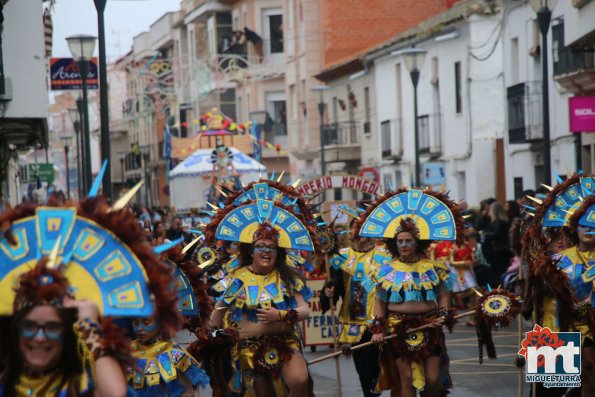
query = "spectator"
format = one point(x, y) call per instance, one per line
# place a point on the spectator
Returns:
point(495, 242)
point(175, 229)
point(483, 218)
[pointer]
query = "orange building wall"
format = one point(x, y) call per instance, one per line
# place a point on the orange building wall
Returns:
point(370, 22)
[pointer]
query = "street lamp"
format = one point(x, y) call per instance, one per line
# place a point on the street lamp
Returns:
point(82, 47)
point(414, 60)
point(543, 8)
point(258, 117)
point(321, 108)
point(145, 151)
point(103, 98)
point(66, 140)
point(74, 115)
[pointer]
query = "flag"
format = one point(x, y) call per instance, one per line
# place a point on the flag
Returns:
point(257, 144)
point(167, 149)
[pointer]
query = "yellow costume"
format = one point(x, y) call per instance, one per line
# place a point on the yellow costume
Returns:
point(357, 310)
point(402, 282)
point(163, 365)
point(573, 263)
point(246, 293)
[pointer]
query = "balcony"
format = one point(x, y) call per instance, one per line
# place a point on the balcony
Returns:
point(430, 134)
point(391, 139)
point(241, 63)
point(574, 68)
point(342, 141)
point(524, 112)
point(277, 136)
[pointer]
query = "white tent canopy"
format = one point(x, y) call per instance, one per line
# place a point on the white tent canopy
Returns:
point(190, 180)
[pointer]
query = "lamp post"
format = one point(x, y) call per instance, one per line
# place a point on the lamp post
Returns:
point(543, 8)
point(75, 119)
point(414, 59)
point(66, 140)
point(258, 117)
point(321, 108)
point(82, 47)
point(145, 152)
point(103, 98)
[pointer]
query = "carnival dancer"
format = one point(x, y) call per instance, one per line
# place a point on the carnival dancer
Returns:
point(164, 367)
point(264, 296)
point(557, 248)
point(353, 281)
point(74, 267)
point(412, 290)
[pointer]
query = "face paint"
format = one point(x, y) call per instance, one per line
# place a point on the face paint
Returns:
point(141, 326)
point(404, 244)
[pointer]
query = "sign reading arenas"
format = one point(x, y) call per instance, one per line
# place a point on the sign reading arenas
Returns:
point(339, 181)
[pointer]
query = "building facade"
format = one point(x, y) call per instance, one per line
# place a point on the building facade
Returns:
point(23, 88)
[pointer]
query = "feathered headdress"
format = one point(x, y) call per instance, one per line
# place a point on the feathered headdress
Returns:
point(427, 214)
point(563, 207)
point(255, 219)
point(100, 251)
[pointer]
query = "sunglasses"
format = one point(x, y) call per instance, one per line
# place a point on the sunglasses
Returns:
point(264, 250)
point(52, 330)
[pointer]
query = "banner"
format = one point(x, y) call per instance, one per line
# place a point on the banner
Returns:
point(582, 113)
point(319, 184)
point(65, 75)
point(317, 327)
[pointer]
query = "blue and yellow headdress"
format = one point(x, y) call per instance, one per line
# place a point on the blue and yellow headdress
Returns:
point(434, 215)
point(100, 251)
point(242, 223)
point(273, 190)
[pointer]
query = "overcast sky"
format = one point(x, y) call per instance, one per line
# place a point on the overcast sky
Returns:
point(124, 19)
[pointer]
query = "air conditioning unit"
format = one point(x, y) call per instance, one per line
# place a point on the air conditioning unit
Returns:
point(7, 94)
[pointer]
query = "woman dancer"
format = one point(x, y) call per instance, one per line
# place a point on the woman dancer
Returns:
point(264, 296)
point(75, 266)
point(412, 290)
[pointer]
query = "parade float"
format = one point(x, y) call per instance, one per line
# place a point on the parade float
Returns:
point(217, 159)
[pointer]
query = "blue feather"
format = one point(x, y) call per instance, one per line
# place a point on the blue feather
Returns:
point(164, 247)
point(97, 182)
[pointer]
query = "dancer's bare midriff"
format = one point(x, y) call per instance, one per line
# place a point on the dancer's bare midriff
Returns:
point(412, 307)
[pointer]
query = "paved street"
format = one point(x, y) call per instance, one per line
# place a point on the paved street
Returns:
point(494, 378)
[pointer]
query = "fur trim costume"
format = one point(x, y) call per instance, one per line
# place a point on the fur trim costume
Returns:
point(428, 216)
point(81, 251)
point(245, 292)
point(558, 282)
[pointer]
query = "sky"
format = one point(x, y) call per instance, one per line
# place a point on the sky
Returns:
point(124, 19)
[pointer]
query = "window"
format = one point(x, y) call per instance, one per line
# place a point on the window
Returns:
point(514, 61)
point(274, 31)
point(227, 101)
point(518, 187)
point(386, 142)
point(516, 114)
point(458, 88)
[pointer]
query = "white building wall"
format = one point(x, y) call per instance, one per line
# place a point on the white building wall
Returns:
point(468, 137)
point(24, 59)
point(521, 26)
